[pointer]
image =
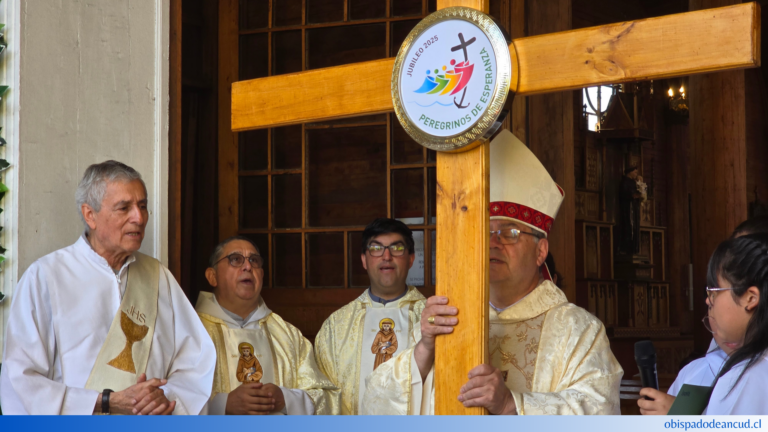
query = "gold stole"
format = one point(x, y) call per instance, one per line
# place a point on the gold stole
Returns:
point(514, 349)
point(399, 320)
point(228, 343)
point(125, 352)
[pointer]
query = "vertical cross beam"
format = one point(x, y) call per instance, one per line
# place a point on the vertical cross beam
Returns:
point(463, 191)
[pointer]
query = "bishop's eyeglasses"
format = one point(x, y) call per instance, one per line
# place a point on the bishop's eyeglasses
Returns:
point(237, 260)
point(377, 250)
point(510, 236)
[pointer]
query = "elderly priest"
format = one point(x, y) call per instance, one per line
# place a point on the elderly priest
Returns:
point(547, 356)
point(264, 364)
point(98, 327)
point(377, 325)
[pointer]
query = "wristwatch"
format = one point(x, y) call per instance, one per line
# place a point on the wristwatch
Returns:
point(105, 401)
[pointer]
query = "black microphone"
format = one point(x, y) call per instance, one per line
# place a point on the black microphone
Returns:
point(645, 356)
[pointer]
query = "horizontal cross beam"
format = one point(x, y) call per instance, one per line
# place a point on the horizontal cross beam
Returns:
point(674, 45)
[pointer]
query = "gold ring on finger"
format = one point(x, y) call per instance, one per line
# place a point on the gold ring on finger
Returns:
point(431, 320)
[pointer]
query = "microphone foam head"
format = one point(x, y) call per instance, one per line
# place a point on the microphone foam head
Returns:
point(645, 353)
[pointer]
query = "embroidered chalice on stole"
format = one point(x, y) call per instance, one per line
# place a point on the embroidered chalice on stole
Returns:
point(133, 333)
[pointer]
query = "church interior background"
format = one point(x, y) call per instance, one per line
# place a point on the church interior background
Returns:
point(304, 193)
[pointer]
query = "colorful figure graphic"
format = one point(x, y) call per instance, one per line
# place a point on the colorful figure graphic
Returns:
point(385, 343)
point(248, 367)
point(450, 81)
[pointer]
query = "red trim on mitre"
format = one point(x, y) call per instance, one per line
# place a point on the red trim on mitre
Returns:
point(522, 213)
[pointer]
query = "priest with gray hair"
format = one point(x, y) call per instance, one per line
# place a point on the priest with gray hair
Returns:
point(100, 328)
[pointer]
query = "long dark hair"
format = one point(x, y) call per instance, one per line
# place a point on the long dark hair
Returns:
point(743, 262)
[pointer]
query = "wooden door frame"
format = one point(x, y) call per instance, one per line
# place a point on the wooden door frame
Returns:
point(174, 141)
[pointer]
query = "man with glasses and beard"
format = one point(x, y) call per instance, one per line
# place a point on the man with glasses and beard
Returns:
point(347, 346)
point(287, 380)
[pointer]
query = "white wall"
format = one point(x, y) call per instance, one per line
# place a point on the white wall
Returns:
point(93, 85)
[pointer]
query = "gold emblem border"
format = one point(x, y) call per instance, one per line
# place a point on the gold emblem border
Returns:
point(501, 89)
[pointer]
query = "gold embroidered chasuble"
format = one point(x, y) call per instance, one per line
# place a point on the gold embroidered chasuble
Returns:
point(339, 344)
point(293, 361)
point(555, 356)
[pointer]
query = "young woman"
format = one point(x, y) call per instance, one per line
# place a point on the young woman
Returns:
point(737, 297)
point(702, 371)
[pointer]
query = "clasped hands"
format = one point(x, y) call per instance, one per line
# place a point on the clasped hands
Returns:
point(255, 399)
point(143, 398)
point(485, 386)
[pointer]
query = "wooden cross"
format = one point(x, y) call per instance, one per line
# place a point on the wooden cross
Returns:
point(683, 44)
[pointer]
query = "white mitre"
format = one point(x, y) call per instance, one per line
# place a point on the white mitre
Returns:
point(521, 188)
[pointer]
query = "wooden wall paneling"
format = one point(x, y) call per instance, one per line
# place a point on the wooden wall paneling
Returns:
point(658, 254)
point(193, 213)
point(757, 118)
point(551, 138)
point(174, 143)
point(389, 163)
point(718, 173)
point(606, 252)
point(518, 29)
point(587, 205)
point(624, 301)
point(678, 227)
point(664, 306)
point(639, 306)
point(304, 203)
point(346, 258)
point(580, 261)
point(718, 167)
point(611, 308)
point(653, 305)
point(592, 243)
point(388, 42)
point(228, 74)
point(189, 158)
point(593, 295)
point(591, 171)
point(270, 191)
point(601, 302)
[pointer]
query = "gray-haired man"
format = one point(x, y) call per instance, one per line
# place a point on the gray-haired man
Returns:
point(98, 327)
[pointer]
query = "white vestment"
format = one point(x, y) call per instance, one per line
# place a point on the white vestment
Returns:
point(554, 356)
point(62, 310)
point(286, 357)
point(748, 397)
point(343, 345)
point(700, 372)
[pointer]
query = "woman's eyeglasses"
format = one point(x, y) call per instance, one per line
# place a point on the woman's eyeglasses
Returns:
point(712, 293)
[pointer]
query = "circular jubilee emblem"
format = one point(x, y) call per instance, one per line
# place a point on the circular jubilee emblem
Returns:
point(451, 78)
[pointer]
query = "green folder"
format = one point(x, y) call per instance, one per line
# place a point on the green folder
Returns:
point(691, 400)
